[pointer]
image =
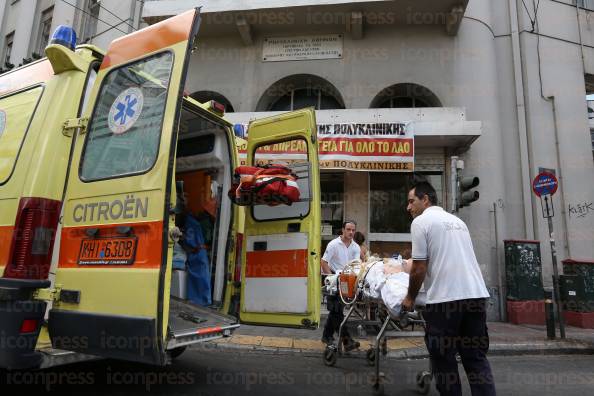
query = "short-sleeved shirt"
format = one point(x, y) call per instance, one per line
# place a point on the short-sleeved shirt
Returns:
point(337, 254)
point(453, 273)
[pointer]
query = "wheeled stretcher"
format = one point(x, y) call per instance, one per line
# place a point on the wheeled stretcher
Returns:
point(368, 309)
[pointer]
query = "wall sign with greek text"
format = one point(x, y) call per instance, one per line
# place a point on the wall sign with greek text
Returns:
point(278, 49)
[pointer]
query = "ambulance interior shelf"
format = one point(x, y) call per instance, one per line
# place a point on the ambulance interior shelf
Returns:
point(203, 170)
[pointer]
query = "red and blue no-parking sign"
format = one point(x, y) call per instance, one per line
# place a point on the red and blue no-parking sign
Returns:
point(545, 183)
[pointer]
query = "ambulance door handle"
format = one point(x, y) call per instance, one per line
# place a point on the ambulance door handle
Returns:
point(92, 232)
point(175, 234)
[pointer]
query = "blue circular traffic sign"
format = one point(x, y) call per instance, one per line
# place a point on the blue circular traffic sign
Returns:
point(545, 183)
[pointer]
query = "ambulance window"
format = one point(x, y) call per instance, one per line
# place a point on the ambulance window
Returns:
point(125, 127)
point(16, 112)
point(292, 153)
point(195, 146)
point(88, 88)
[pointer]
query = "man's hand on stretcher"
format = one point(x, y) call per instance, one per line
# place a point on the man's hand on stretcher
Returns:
point(408, 304)
point(417, 276)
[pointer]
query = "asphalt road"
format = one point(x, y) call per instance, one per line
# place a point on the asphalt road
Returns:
point(202, 373)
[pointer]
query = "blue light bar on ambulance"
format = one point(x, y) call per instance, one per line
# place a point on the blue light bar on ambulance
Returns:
point(239, 130)
point(64, 35)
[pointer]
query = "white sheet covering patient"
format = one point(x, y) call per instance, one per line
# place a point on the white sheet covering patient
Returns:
point(383, 278)
point(388, 279)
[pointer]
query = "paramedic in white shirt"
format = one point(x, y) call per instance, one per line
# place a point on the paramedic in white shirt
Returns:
point(455, 314)
point(338, 254)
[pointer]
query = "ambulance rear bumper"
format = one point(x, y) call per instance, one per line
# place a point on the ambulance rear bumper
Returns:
point(21, 318)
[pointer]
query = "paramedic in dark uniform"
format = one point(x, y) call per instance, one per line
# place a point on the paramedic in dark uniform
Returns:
point(338, 254)
point(455, 315)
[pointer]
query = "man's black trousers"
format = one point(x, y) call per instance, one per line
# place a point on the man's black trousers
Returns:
point(459, 327)
point(335, 317)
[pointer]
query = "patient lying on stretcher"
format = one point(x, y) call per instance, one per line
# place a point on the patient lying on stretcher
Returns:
point(385, 279)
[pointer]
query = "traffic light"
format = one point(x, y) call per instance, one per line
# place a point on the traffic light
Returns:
point(465, 195)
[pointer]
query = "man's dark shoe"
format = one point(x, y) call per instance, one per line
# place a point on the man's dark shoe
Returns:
point(350, 344)
point(328, 340)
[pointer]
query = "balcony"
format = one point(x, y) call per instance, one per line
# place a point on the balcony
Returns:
point(224, 17)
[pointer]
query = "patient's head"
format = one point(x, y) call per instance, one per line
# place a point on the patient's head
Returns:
point(406, 253)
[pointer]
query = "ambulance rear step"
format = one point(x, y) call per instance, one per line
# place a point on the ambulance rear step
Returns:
point(57, 357)
point(190, 324)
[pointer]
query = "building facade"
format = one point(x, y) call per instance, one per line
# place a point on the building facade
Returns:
point(500, 85)
point(26, 25)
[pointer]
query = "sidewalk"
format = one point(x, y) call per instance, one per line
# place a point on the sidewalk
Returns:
point(505, 339)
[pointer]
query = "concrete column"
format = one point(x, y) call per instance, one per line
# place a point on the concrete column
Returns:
point(116, 20)
point(356, 199)
point(2, 32)
point(64, 14)
point(23, 35)
point(2, 8)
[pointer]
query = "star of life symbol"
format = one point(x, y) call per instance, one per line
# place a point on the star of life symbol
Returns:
point(2, 122)
point(125, 110)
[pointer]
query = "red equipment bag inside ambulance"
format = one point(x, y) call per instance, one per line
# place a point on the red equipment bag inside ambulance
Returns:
point(266, 185)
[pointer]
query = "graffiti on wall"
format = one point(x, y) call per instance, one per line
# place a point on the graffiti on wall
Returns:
point(581, 210)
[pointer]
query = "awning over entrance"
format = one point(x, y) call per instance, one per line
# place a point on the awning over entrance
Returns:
point(230, 16)
point(430, 127)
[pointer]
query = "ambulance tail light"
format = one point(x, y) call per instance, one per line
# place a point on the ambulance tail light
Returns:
point(238, 259)
point(29, 326)
point(33, 239)
point(216, 107)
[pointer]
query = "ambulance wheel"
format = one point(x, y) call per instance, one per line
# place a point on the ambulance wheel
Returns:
point(378, 389)
point(176, 352)
point(370, 355)
point(330, 357)
point(423, 382)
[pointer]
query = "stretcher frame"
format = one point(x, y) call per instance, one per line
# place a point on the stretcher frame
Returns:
point(389, 327)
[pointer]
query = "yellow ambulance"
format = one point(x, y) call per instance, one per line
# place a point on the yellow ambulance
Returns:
point(100, 153)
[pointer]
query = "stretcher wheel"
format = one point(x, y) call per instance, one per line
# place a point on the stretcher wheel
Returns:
point(424, 382)
point(176, 352)
point(330, 356)
point(370, 355)
point(378, 389)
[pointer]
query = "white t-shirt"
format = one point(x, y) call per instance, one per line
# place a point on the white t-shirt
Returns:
point(338, 255)
point(453, 272)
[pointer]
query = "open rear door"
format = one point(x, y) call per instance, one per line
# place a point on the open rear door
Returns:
point(113, 270)
point(281, 274)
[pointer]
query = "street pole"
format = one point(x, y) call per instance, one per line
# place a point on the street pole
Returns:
point(555, 272)
point(453, 184)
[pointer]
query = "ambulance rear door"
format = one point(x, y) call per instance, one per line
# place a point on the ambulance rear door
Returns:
point(112, 273)
point(281, 263)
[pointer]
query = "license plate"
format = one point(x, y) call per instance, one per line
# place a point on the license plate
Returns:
point(107, 251)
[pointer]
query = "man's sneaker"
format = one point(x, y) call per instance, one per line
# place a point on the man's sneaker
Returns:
point(350, 344)
point(328, 340)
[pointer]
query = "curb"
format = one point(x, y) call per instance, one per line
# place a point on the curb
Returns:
point(568, 347)
point(509, 349)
